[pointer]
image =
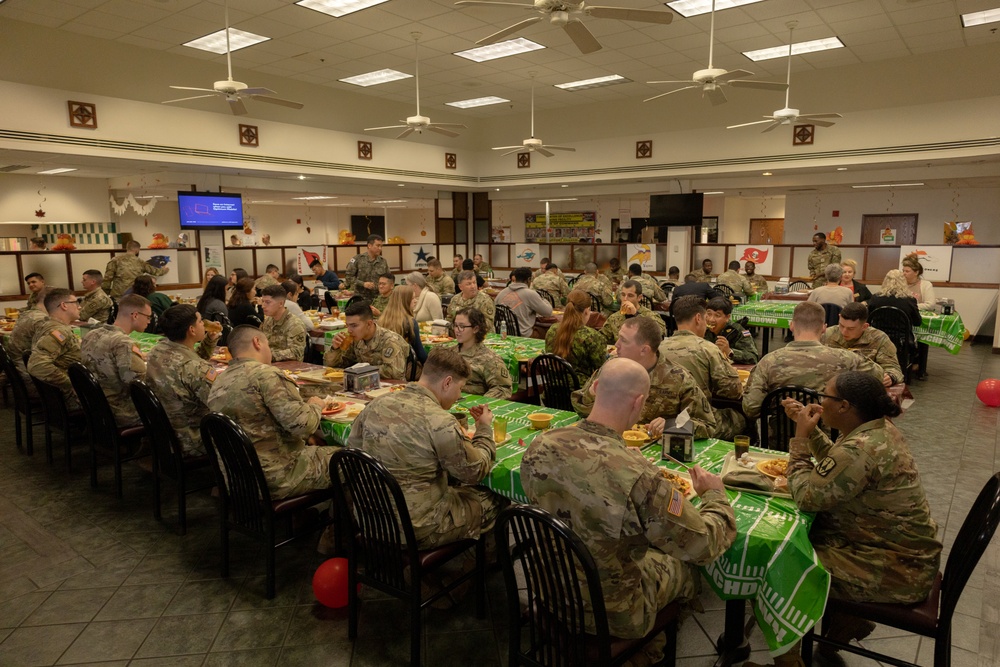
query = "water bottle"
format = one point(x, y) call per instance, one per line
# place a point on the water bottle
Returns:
point(503, 330)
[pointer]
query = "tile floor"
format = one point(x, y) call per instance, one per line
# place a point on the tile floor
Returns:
point(85, 579)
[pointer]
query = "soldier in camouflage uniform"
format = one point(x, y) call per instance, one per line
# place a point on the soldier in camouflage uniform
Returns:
point(550, 281)
point(35, 283)
point(630, 293)
point(645, 536)
point(821, 257)
point(543, 266)
point(672, 389)
point(180, 377)
point(116, 360)
point(371, 345)
point(471, 297)
point(437, 280)
point(268, 406)
point(734, 281)
point(733, 340)
point(95, 303)
point(54, 347)
point(488, 374)
point(269, 278)
point(363, 270)
point(586, 349)
point(456, 270)
point(649, 286)
point(19, 340)
point(758, 281)
point(805, 362)
point(705, 275)
point(123, 269)
point(480, 266)
point(597, 286)
point(427, 451)
point(385, 284)
point(286, 335)
point(616, 273)
point(855, 334)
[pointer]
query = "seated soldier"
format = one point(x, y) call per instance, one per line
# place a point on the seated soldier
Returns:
point(19, 340)
point(438, 280)
point(55, 347)
point(385, 284)
point(270, 277)
point(469, 296)
point(855, 334)
point(732, 279)
point(95, 303)
point(286, 335)
point(488, 374)
point(649, 286)
point(552, 283)
point(630, 308)
point(736, 343)
point(365, 341)
point(596, 286)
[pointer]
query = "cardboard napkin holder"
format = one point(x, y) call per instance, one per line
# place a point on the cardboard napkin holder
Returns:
point(360, 379)
point(678, 441)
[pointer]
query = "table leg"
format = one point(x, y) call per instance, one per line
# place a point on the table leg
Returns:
point(732, 645)
point(765, 336)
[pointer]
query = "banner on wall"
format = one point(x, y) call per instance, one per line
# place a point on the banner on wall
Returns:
point(526, 254)
point(213, 258)
point(306, 255)
point(160, 258)
point(936, 259)
point(887, 236)
point(567, 227)
point(415, 255)
point(761, 255)
point(643, 254)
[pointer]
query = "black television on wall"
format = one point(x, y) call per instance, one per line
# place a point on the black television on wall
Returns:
point(210, 210)
point(676, 210)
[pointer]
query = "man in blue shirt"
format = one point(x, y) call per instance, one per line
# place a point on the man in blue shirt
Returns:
point(330, 280)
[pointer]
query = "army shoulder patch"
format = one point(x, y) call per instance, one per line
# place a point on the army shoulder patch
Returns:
point(388, 352)
point(135, 348)
point(211, 374)
point(825, 466)
point(676, 505)
point(746, 333)
point(58, 335)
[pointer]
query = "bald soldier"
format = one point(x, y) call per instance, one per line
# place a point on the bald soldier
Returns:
point(630, 308)
point(123, 269)
point(286, 335)
point(645, 536)
point(370, 344)
point(855, 334)
point(55, 347)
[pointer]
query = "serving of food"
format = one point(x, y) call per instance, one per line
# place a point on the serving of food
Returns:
point(756, 472)
point(773, 467)
point(333, 407)
point(683, 484)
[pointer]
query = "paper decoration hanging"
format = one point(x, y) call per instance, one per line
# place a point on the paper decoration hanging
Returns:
point(130, 202)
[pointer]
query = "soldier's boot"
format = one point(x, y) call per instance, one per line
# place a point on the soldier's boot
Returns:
point(792, 658)
point(842, 628)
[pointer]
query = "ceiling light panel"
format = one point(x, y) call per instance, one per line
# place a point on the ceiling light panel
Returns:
point(981, 18)
point(390, 201)
point(312, 198)
point(798, 49)
point(338, 8)
point(689, 8)
point(584, 84)
point(216, 42)
point(376, 78)
point(59, 170)
point(887, 185)
point(511, 47)
point(477, 102)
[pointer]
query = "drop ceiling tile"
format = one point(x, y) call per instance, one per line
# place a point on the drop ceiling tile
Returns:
point(18, 14)
point(273, 29)
point(160, 33)
point(146, 42)
point(377, 20)
point(129, 9)
point(850, 11)
point(53, 9)
point(881, 35)
point(297, 16)
point(94, 31)
point(927, 11)
point(910, 30)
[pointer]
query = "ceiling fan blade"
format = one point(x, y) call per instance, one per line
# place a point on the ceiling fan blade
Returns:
point(488, 3)
point(756, 122)
point(509, 30)
point(405, 133)
point(582, 37)
point(385, 127)
point(506, 148)
point(821, 123)
point(277, 100)
point(774, 126)
point(733, 74)
point(715, 95)
point(455, 125)
point(670, 92)
point(542, 151)
point(441, 130)
point(257, 91)
point(236, 106)
point(819, 115)
point(185, 99)
point(559, 148)
point(625, 14)
point(517, 149)
point(686, 81)
point(204, 90)
point(762, 85)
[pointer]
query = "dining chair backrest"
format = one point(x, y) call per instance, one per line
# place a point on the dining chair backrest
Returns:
point(776, 429)
point(645, 300)
point(895, 324)
point(572, 281)
point(545, 295)
point(96, 407)
point(113, 313)
point(412, 365)
point(22, 398)
point(506, 315)
point(554, 381)
point(166, 447)
point(724, 290)
point(227, 326)
point(595, 304)
point(832, 311)
point(238, 474)
point(353, 300)
point(973, 537)
point(797, 285)
point(668, 287)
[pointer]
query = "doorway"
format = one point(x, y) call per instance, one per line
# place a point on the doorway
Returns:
point(767, 231)
point(902, 229)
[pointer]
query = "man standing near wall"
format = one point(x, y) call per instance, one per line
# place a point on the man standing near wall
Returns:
point(123, 269)
point(363, 270)
point(821, 257)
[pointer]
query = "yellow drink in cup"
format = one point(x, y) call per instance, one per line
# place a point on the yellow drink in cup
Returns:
point(499, 429)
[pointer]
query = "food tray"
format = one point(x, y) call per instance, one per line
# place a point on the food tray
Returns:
point(346, 416)
point(689, 494)
point(729, 464)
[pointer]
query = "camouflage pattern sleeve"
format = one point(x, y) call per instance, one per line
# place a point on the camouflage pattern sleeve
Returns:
point(885, 356)
point(337, 358)
point(152, 270)
point(466, 459)
point(611, 326)
point(96, 305)
point(699, 407)
point(743, 346)
point(54, 344)
point(454, 306)
point(756, 390)
point(295, 416)
point(867, 366)
point(582, 399)
point(109, 275)
point(351, 275)
point(393, 355)
point(723, 378)
point(589, 352)
point(838, 476)
point(484, 303)
point(497, 376)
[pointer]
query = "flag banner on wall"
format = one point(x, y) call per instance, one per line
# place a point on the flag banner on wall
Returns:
point(561, 227)
point(213, 258)
point(643, 254)
point(306, 255)
point(936, 260)
point(415, 255)
point(526, 254)
point(761, 255)
point(160, 258)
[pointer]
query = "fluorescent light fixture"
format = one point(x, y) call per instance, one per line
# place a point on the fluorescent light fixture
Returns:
point(597, 82)
point(511, 47)
point(887, 185)
point(216, 42)
point(60, 170)
point(767, 173)
point(312, 198)
point(375, 78)
point(262, 201)
point(566, 199)
point(477, 102)
point(981, 18)
point(150, 197)
point(715, 192)
point(689, 8)
point(390, 201)
point(799, 48)
point(841, 168)
point(339, 8)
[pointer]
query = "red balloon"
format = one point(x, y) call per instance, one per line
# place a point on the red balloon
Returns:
point(330, 583)
point(988, 391)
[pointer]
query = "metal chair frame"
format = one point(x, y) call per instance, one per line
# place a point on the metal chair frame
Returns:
point(57, 417)
point(894, 323)
point(505, 314)
point(783, 427)
point(796, 285)
point(553, 381)
point(548, 297)
point(24, 404)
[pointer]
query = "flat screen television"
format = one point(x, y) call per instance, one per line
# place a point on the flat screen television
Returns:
point(676, 210)
point(210, 210)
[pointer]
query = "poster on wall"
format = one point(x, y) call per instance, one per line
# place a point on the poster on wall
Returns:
point(213, 258)
point(502, 234)
point(526, 254)
point(643, 254)
point(761, 255)
point(936, 260)
point(160, 258)
point(306, 255)
point(887, 236)
point(415, 255)
point(567, 227)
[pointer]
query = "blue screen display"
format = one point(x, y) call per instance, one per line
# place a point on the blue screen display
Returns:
point(210, 210)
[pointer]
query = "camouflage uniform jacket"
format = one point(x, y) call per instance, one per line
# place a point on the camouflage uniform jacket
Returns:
point(741, 343)
point(873, 345)
point(759, 283)
point(819, 260)
point(264, 281)
point(650, 288)
point(181, 379)
point(490, 377)
point(122, 271)
point(705, 362)
point(32, 302)
point(19, 342)
point(363, 269)
point(380, 302)
point(553, 284)
point(96, 304)
point(286, 336)
point(442, 285)
point(599, 288)
point(587, 350)
point(806, 363)
point(424, 447)
point(116, 360)
point(626, 512)
point(269, 408)
point(54, 349)
point(617, 277)
point(704, 277)
point(386, 349)
point(671, 389)
point(734, 281)
point(482, 302)
point(873, 529)
point(538, 272)
point(617, 319)
point(483, 269)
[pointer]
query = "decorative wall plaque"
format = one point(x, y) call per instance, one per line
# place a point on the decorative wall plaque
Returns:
point(523, 160)
point(364, 150)
point(643, 149)
point(249, 136)
point(83, 114)
point(450, 161)
point(803, 135)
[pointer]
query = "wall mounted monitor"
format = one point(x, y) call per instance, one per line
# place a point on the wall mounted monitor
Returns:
point(676, 210)
point(210, 210)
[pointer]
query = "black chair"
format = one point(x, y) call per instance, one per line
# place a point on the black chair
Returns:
point(412, 365)
point(380, 535)
point(545, 295)
point(104, 431)
point(154, 324)
point(227, 326)
point(776, 429)
point(58, 417)
point(552, 557)
point(572, 281)
point(24, 404)
point(832, 313)
point(353, 300)
point(645, 300)
point(553, 380)
point(896, 325)
point(245, 502)
point(797, 285)
point(933, 616)
point(506, 315)
point(113, 313)
point(725, 290)
point(169, 461)
point(668, 288)
point(595, 304)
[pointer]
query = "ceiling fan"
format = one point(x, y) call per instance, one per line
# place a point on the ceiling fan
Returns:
point(531, 144)
point(235, 91)
point(419, 123)
point(712, 79)
point(787, 116)
point(565, 13)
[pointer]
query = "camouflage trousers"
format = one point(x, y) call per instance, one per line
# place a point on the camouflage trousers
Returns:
point(310, 471)
point(482, 508)
point(728, 423)
point(852, 577)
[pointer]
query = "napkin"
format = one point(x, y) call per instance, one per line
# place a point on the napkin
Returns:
point(682, 418)
point(745, 478)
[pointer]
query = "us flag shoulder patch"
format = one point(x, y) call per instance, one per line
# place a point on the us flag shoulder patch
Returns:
point(676, 505)
point(58, 335)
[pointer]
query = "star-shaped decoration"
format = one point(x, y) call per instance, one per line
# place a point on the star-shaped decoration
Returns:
point(644, 149)
point(364, 150)
point(83, 114)
point(803, 135)
point(421, 255)
point(249, 136)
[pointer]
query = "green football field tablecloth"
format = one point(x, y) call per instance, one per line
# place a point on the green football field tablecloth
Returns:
point(514, 350)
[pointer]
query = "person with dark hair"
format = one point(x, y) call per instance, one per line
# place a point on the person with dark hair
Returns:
point(822, 256)
point(576, 342)
point(37, 243)
point(385, 284)
point(291, 291)
point(543, 266)
point(616, 273)
point(526, 304)
point(235, 276)
point(733, 340)
point(437, 280)
point(552, 283)
point(270, 277)
point(705, 274)
point(213, 300)
point(855, 334)
point(479, 266)
point(35, 282)
point(693, 287)
point(145, 286)
point(470, 297)
point(758, 281)
point(630, 292)
point(331, 281)
point(469, 265)
point(123, 269)
point(489, 376)
point(732, 279)
point(19, 340)
point(286, 335)
point(365, 341)
point(674, 274)
point(649, 286)
point(457, 262)
point(921, 290)
point(241, 306)
point(303, 296)
point(363, 270)
point(55, 347)
point(95, 303)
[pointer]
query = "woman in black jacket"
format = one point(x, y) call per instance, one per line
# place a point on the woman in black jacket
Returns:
point(242, 309)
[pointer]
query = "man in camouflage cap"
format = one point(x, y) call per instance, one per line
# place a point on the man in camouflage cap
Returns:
point(630, 308)
point(371, 345)
point(672, 389)
point(19, 340)
point(438, 280)
point(269, 278)
point(596, 286)
point(471, 297)
point(732, 279)
point(286, 335)
point(733, 340)
point(123, 269)
point(115, 358)
point(645, 536)
point(427, 451)
point(552, 283)
point(95, 303)
point(385, 284)
point(855, 334)
point(268, 406)
point(180, 377)
point(363, 270)
point(54, 347)
point(822, 256)
point(649, 286)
